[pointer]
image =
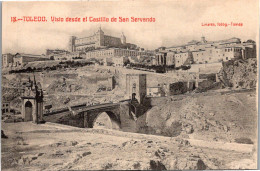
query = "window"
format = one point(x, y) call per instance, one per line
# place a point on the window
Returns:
point(226, 58)
point(134, 88)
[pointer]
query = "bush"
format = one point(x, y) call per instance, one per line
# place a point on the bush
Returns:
point(244, 141)
point(185, 67)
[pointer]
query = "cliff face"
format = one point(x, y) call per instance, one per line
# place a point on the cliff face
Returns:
point(239, 73)
point(210, 116)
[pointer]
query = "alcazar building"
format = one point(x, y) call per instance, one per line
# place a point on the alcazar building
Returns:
point(98, 40)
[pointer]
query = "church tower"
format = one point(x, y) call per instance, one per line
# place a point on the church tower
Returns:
point(123, 39)
point(32, 108)
point(203, 40)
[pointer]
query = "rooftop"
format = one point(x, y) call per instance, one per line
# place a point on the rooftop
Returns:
point(195, 42)
point(29, 55)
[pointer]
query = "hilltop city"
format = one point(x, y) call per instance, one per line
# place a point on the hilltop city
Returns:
point(109, 50)
point(81, 108)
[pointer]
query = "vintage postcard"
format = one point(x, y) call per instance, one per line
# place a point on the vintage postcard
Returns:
point(129, 85)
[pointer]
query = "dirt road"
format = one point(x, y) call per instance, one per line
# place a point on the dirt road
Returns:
point(58, 147)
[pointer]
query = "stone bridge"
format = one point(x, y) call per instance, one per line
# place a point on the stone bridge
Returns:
point(91, 113)
point(122, 115)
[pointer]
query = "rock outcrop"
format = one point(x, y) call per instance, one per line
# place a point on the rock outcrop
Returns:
point(239, 73)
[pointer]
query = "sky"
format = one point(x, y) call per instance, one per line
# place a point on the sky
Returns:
point(176, 22)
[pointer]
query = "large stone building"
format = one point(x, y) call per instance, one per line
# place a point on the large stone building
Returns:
point(98, 40)
point(201, 52)
point(7, 60)
point(195, 45)
point(160, 58)
point(69, 56)
point(21, 58)
point(114, 52)
point(183, 58)
point(50, 53)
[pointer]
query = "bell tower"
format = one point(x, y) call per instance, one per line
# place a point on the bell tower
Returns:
point(32, 107)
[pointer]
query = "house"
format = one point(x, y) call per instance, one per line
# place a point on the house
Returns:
point(155, 91)
point(21, 58)
point(5, 107)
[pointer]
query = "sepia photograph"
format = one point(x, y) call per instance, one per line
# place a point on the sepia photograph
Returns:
point(130, 85)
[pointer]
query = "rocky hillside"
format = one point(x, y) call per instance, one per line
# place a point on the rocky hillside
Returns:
point(218, 116)
point(239, 73)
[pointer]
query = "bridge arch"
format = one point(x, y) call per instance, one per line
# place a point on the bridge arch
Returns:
point(115, 120)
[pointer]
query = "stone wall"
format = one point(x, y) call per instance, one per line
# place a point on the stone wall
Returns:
point(128, 123)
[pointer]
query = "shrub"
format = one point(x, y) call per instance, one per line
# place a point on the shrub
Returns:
point(244, 140)
point(183, 67)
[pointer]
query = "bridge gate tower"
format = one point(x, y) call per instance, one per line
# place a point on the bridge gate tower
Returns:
point(136, 87)
point(32, 107)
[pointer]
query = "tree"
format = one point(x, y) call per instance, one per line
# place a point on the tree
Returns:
point(250, 41)
point(126, 62)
